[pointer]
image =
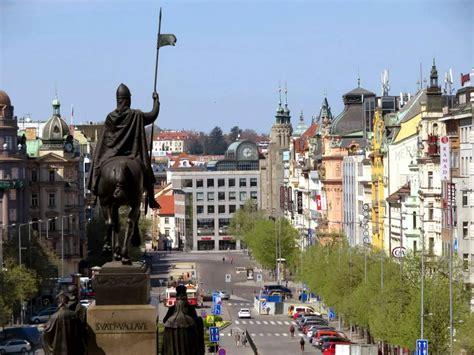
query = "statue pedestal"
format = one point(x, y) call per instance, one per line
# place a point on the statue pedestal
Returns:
point(122, 284)
point(122, 329)
point(122, 322)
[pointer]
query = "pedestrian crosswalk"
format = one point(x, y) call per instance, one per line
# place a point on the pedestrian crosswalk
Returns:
point(263, 335)
point(269, 322)
point(240, 304)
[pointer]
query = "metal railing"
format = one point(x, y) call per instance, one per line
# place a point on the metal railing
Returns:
point(251, 342)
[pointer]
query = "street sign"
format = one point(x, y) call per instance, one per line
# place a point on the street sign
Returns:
point(227, 277)
point(216, 298)
point(332, 314)
point(263, 304)
point(421, 347)
point(221, 351)
point(259, 277)
point(399, 252)
point(216, 310)
point(214, 334)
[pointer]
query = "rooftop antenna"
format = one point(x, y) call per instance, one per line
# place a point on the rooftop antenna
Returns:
point(286, 94)
point(279, 93)
point(421, 77)
point(358, 77)
point(448, 86)
point(385, 84)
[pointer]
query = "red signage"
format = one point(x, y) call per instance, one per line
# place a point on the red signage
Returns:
point(205, 238)
point(318, 203)
point(227, 238)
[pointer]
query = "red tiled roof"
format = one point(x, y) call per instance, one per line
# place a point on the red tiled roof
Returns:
point(174, 136)
point(167, 204)
point(302, 144)
point(396, 196)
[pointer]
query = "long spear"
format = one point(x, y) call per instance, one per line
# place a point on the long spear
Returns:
point(161, 41)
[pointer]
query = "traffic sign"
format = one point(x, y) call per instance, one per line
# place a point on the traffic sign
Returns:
point(399, 252)
point(259, 277)
point(216, 298)
point(421, 347)
point(332, 314)
point(221, 351)
point(227, 277)
point(216, 309)
point(214, 334)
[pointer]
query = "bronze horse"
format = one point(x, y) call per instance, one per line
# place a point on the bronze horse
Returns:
point(121, 184)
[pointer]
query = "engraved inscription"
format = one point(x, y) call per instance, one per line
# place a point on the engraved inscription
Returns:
point(120, 327)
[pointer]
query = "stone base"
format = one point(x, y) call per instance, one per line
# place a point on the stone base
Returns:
point(118, 284)
point(122, 330)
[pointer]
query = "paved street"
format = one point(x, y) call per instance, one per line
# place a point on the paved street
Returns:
point(270, 333)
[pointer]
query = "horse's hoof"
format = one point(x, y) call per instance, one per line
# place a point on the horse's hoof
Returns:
point(126, 261)
point(117, 257)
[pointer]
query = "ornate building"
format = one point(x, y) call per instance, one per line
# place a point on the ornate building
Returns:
point(12, 171)
point(56, 192)
point(272, 166)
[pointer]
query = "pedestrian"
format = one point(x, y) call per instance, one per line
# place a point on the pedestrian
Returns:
point(231, 260)
point(223, 260)
point(302, 344)
point(244, 340)
point(292, 330)
point(237, 339)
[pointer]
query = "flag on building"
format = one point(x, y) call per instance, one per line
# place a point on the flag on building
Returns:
point(167, 40)
point(465, 78)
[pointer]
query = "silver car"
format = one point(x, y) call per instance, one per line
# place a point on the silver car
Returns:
point(15, 346)
point(43, 316)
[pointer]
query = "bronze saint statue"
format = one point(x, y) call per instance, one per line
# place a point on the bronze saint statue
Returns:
point(65, 331)
point(124, 136)
point(184, 330)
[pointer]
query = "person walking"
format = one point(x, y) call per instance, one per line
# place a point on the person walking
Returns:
point(292, 330)
point(244, 340)
point(302, 342)
point(223, 260)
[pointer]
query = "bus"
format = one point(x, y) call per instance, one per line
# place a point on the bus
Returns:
point(191, 292)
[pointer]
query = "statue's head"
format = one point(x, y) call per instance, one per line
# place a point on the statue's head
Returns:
point(123, 97)
point(72, 293)
point(181, 291)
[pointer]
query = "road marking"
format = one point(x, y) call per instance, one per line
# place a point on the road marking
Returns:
point(253, 334)
point(294, 323)
point(285, 335)
point(228, 334)
point(261, 334)
point(258, 322)
point(300, 335)
point(265, 322)
point(279, 322)
point(287, 323)
point(277, 334)
point(250, 321)
point(272, 322)
point(237, 322)
point(269, 334)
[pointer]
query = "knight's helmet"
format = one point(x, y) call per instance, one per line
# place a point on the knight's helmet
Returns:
point(123, 92)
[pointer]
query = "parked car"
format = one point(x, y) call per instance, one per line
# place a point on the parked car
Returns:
point(86, 303)
point(43, 315)
point(303, 320)
point(322, 342)
point(313, 324)
point(244, 313)
point(298, 315)
point(314, 330)
point(224, 295)
point(15, 346)
point(271, 288)
point(321, 333)
point(301, 308)
point(331, 347)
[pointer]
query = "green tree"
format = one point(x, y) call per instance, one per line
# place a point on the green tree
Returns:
point(233, 134)
point(216, 143)
point(17, 284)
point(245, 219)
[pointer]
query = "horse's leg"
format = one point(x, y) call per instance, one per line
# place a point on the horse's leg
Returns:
point(133, 216)
point(116, 233)
point(107, 249)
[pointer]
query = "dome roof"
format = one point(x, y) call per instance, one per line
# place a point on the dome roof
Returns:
point(301, 127)
point(56, 102)
point(55, 129)
point(4, 98)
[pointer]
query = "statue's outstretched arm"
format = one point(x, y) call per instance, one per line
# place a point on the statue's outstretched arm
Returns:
point(150, 117)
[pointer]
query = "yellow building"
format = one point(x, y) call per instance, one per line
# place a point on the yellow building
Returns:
point(378, 198)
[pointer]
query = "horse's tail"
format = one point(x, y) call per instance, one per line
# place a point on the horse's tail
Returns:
point(119, 191)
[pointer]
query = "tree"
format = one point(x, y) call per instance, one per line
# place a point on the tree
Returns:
point(233, 134)
point(198, 144)
point(249, 134)
point(216, 144)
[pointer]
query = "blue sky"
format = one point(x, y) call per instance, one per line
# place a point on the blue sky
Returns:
point(230, 56)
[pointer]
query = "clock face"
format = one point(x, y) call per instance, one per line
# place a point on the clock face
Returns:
point(248, 152)
point(68, 146)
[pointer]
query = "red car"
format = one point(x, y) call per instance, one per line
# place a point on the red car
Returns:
point(330, 348)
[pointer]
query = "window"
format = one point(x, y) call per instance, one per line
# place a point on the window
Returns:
point(210, 196)
point(431, 246)
point(243, 196)
point(199, 209)
point(199, 196)
point(167, 220)
point(210, 209)
point(224, 226)
point(253, 182)
point(15, 173)
point(220, 182)
point(52, 225)
point(221, 196)
point(221, 209)
point(242, 182)
point(231, 208)
point(465, 229)
point(205, 226)
point(188, 183)
point(465, 261)
point(51, 175)
point(210, 182)
point(167, 232)
point(413, 216)
point(34, 200)
point(253, 195)
point(199, 183)
point(12, 214)
point(414, 246)
point(430, 179)
point(52, 200)
point(9, 142)
point(231, 182)
point(430, 212)
point(12, 195)
point(464, 199)
point(231, 195)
